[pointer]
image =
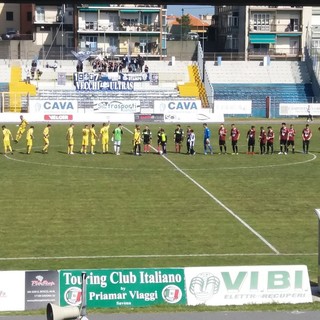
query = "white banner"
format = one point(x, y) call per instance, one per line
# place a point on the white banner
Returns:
point(202, 116)
point(176, 106)
point(221, 286)
point(233, 106)
point(299, 109)
point(117, 106)
point(53, 106)
point(12, 290)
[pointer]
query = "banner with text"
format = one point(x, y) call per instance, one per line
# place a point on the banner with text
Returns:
point(42, 287)
point(86, 81)
point(53, 106)
point(125, 287)
point(175, 106)
point(220, 286)
point(116, 106)
point(299, 109)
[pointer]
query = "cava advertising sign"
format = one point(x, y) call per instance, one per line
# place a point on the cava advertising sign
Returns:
point(123, 287)
point(219, 286)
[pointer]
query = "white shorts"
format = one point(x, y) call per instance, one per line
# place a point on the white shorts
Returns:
point(117, 143)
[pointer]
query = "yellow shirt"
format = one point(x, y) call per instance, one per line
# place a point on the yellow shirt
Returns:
point(6, 134)
point(85, 133)
point(104, 131)
point(23, 124)
point(46, 132)
point(30, 134)
point(137, 136)
point(70, 133)
point(93, 133)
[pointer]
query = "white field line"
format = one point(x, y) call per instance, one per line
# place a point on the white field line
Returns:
point(156, 169)
point(143, 256)
point(258, 235)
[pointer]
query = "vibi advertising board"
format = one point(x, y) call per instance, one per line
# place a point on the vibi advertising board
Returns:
point(239, 285)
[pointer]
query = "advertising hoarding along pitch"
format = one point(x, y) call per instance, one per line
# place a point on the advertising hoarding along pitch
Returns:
point(299, 109)
point(12, 290)
point(221, 286)
point(42, 287)
point(125, 287)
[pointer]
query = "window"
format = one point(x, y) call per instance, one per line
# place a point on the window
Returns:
point(315, 43)
point(146, 18)
point(261, 22)
point(233, 20)
point(9, 16)
point(40, 14)
point(29, 16)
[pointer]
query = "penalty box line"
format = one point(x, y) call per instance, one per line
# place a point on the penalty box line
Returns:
point(257, 234)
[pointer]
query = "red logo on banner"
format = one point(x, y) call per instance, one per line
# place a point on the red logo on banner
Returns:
point(59, 117)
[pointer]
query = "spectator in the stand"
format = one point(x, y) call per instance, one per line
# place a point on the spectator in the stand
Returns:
point(79, 66)
point(140, 63)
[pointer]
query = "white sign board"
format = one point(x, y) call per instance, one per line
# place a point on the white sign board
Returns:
point(116, 106)
point(202, 116)
point(53, 106)
point(12, 290)
point(220, 286)
point(177, 106)
point(299, 109)
point(233, 106)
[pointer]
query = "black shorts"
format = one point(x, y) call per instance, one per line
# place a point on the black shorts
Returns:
point(283, 142)
point(290, 143)
point(222, 142)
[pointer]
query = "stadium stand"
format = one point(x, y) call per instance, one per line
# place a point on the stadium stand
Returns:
point(281, 82)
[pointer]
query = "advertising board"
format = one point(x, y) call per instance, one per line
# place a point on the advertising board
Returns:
point(125, 287)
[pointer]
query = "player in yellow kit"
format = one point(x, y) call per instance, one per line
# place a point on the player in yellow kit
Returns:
point(7, 137)
point(22, 128)
point(93, 138)
point(70, 139)
point(46, 132)
point(104, 136)
point(30, 138)
point(85, 139)
point(137, 141)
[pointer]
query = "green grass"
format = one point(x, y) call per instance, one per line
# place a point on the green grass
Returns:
point(118, 209)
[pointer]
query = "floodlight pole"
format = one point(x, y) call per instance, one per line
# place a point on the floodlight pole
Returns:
point(83, 309)
point(317, 212)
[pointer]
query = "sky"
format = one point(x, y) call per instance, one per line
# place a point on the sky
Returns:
point(194, 10)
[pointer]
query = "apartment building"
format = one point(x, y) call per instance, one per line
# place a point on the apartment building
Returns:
point(109, 29)
point(123, 29)
point(256, 31)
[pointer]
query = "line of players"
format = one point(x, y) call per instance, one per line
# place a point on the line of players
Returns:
point(266, 139)
point(286, 139)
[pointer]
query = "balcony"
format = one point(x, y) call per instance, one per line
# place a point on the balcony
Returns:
point(123, 26)
point(277, 28)
point(276, 53)
point(277, 8)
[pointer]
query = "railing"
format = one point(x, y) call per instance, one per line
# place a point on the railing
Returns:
point(17, 36)
point(279, 53)
point(275, 27)
point(123, 26)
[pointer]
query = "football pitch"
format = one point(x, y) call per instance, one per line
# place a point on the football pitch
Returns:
point(61, 211)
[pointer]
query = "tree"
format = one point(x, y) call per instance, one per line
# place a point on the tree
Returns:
point(185, 25)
